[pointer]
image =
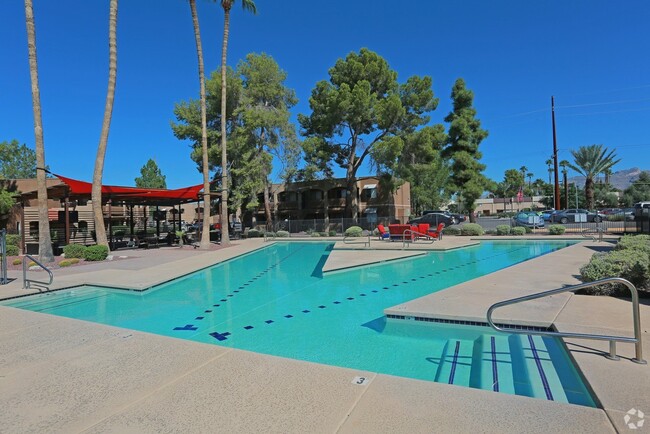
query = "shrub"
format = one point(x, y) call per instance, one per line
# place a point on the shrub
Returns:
point(17, 261)
point(282, 234)
point(12, 250)
point(74, 251)
point(628, 264)
point(471, 229)
point(315, 234)
point(451, 230)
point(353, 231)
point(490, 232)
point(68, 262)
point(503, 230)
point(332, 233)
point(254, 233)
point(640, 243)
point(528, 230)
point(13, 240)
point(556, 229)
point(96, 253)
point(518, 231)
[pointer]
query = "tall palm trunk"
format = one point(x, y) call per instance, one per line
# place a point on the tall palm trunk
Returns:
point(44, 240)
point(96, 194)
point(589, 192)
point(205, 233)
point(225, 239)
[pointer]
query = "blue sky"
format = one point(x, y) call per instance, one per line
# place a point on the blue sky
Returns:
point(591, 55)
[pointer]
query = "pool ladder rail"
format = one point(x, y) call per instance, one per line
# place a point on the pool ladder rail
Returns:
point(612, 339)
point(27, 283)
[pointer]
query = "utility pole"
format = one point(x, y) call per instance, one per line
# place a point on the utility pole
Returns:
point(557, 181)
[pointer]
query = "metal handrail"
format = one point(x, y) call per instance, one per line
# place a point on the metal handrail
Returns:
point(267, 237)
point(586, 233)
point(27, 282)
point(364, 242)
point(411, 233)
point(612, 339)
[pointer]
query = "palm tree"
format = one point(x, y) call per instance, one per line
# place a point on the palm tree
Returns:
point(589, 162)
point(96, 194)
point(529, 175)
point(248, 5)
point(44, 239)
point(205, 233)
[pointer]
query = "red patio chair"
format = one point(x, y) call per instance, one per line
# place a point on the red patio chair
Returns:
point(438, 232)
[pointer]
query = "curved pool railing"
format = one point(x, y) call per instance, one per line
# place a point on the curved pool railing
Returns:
point(612, 339)
point(27, 283)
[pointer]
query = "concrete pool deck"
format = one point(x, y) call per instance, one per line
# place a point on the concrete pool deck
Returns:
point(65, 375)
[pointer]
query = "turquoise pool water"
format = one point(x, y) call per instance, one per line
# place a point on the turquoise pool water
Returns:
point(277, 301)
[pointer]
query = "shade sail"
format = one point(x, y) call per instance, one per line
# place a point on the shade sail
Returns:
point(133, 194)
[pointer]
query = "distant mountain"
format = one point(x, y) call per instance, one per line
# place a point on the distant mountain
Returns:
point(620, 179)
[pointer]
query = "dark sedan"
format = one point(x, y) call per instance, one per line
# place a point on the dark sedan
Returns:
point(571, 216)
point(433, 219)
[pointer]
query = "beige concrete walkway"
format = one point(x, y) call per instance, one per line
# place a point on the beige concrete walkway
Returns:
point(65, 375)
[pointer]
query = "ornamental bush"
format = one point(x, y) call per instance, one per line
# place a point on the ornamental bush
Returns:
point(556, 230)
point(315, 234)
point(96, 253)
point(503, 230)
point(518, 231)
point(629, 264)
point(68, 262)
point(353, 231)
point(282, 234)
point(12, 250)
point(74, 251)
point(451, 230)
point(471, 229)
point(13, 240)
point(254, 233)
point(639, 243)
point(17, 261)
point(332, 233)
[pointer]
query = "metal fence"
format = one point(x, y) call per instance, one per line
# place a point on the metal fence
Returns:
point(613, 224)
point(324, 226)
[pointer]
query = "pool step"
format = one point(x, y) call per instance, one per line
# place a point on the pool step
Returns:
point(456, 362)
point(536, 369)
point(494, 364)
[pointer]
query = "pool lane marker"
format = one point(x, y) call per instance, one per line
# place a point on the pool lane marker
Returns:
point(223, 336)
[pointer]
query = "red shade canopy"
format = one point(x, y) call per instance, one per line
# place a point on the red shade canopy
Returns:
point(133, 194)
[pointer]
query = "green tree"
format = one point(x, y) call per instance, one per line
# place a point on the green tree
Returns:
point(512, 181)
point(45, 251)
point(361, 108)
point(264, 128)
point(16, 161)
point(465, 136)
point(639, 190)
point(152, 176)
point(96, 194)
point(248, 5)
point(205, 233)
point(590, 161)
point(6, 202)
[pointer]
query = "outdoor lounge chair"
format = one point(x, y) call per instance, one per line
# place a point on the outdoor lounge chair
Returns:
point(383, 233)
point(438, 232)
point(397, 231)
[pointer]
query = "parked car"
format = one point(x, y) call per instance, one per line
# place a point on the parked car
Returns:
point(547, 213)
point(529, 219)
point(455, 216)
point(569, 216)
point(433, 219)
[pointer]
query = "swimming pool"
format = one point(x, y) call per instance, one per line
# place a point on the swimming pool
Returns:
point(277, 301)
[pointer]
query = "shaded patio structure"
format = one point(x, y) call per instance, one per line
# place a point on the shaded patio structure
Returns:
point(72, 193)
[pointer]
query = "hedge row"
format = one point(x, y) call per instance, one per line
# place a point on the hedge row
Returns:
point(91, 253)
point(630, 259)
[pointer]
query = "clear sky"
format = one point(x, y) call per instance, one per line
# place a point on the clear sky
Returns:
point(592, 55)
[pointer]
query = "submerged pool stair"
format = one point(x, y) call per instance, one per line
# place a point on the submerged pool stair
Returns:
point(516, 364)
